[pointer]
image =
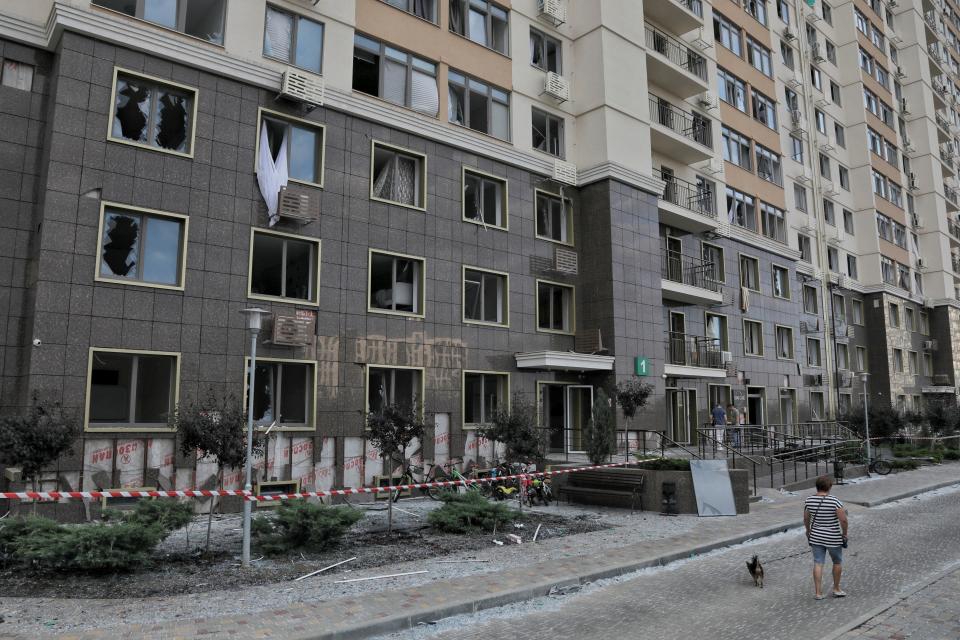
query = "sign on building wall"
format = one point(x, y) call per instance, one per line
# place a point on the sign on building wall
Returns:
point(641, 366)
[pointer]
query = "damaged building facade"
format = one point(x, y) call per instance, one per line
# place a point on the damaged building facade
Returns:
point(445, 202)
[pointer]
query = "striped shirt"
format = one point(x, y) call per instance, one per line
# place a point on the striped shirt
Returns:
point(824, 523)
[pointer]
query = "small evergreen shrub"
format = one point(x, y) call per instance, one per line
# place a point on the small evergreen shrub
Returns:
point(904, 465)
point(951, 454)
point(303, 526)
point(468, 512)
point(666, 464)
point(167, 514)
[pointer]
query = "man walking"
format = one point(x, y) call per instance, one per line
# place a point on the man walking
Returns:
point(719, 421)
point(826, 522)
point(733, 425)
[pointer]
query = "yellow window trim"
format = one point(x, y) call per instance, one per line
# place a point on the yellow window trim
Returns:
point(423, 173)
point(278, 115)
point(312, 418)
point(464, 170)
point(97, 277)
point(793, 342)
point(463, 395)
point(130, 429)
point(423, 284)
point(762, 346)
point(570, 239)
point(463, 298)
point(117, 71)
point(295, 301)
point(366, 384)
point(573, 307)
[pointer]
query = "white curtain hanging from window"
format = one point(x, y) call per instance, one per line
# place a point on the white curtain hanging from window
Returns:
point(277, 39)
point(271, 172)
point(424, 96)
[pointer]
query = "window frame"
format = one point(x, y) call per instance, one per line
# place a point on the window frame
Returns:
point(786, 280)
point(293, 37)
point(809, 352)
point(467, 86)
point(436, 11)
point(270, 114)
point(816, 299)
point(181, 14)
point(724, 326)
point(756, 262)
point(133, 427)
point(488, 25)
point(142, 211)
point(569, 242)
point(191, 115)
point(315, 302)
point(562, 129)
point(572, 303)
point(723, 267)
point(374, 143)
point(505, 375)
point(409, 66)
point(367, 366)
point(423, 284)
point(744, 338)
point(793, 343)
point(311, 423)
point(504, 302)
point(544, 38)
point(504, 197)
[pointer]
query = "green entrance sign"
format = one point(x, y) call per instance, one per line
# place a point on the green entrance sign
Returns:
point(641, 366)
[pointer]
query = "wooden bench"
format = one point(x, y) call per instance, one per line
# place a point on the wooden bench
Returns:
point(606, 483)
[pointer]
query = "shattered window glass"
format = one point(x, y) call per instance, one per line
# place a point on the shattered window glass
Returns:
point(152, 114)
point(142, 248)
point(304, 148)
point(283, 267)
point(282, 393)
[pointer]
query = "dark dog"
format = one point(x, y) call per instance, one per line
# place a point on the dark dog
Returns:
point(756, 571)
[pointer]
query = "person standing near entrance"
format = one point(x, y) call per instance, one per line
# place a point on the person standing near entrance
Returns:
point(719, 421)
point(825, 520)
point(733, 425)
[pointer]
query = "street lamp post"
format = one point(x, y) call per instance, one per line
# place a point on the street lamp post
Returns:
point(866, 414)
point(254, 318)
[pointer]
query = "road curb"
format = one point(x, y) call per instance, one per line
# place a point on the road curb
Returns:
point(937, 577)
point(905, 494)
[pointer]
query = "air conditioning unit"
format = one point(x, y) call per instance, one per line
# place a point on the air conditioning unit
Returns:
point(788, 34)
point(565, 260)
point(915, 221)
point(929, 345)
point(565, 172)
point(851, 331)
point(823, 102)
point(553, 11)
point(726, 357)
point(298, 205)
point(796, 120)
point(920, 263)
point(828, 188)
point(302, 87)
point(904, 107)
point(813, 379)
point(707, 100)
point(795, 81)
point(913, 182)
point(556, 86)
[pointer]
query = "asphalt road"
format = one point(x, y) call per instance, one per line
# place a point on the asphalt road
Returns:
point(892, 550)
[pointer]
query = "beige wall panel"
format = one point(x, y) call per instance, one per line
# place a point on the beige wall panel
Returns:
point(753, 185)
point(750, 26)
point(890, 210)
point(745, 124)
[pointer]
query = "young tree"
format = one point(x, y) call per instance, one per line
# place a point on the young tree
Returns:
point(34, 441)
point(601, 434)
point(516, 428)
point(631, 395)
point(215, 427)
point(390, 431)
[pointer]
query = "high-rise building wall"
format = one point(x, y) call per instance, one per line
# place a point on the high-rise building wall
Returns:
point(464, 204)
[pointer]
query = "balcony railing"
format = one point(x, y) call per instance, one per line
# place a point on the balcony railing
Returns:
point(676, 52)
point(685, 194)
point(954, 229)
point(951, 194)
point(695, 6)
point(686, 124)
point(677, 267)
point(694, 351)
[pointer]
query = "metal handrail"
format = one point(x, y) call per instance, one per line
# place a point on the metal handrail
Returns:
point(676, 52)
point(679, 121)
point(695, 6)
point(694, 351)
point(687, 194)
point(695, 272)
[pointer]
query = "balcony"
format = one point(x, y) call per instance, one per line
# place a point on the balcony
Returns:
point(688, 280)
point(686, 137)
point(680, 16)
point(694, 357)
point(952, 197)
point(685, 205)
point(671, 63)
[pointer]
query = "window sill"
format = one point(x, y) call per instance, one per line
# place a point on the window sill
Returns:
point(127, 428)
point(110, 11)
point(787, 298)
point(560, 242)
point(403, 314)
point(399, 204)
point(542, 70)
point(295, 66)
point(492, 325)
point(752, 355)
point(413, 15)
point(556, 332)
point(495, 227)
point(136, 283)
point(783, 359)
point(280, 299)
point(551, 155)
point(141, 145)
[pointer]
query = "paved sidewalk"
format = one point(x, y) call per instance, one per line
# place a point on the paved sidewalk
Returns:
point(384, 611)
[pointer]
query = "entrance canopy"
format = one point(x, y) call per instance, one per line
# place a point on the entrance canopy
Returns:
point(564, 361)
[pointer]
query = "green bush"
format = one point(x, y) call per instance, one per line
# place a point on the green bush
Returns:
point(904, 465)
point(468, 512)
point(167, 514)
point(952, 454)
point(666, 464)
point(303, 526)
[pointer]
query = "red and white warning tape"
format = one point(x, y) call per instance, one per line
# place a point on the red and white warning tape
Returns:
point(202, 493)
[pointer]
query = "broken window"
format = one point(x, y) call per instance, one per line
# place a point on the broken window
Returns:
point(304, 148)
point(547, 133)
point(283, 393)
point(484, 296)
point(554, 218)
point(282, 266)
point(142, 247)
point(17, 75)
point(153, 114)
point(545, 52)
point(293, 39)
point(392, 386)
point(130, 390)
point(483, 22)
point(554, 307)
point(484, 199)
point(426, 9)
point(398, 176)
point(396, 283)
point(478, 105)
point(483, 395)
point(198, 18)
point(395, 75)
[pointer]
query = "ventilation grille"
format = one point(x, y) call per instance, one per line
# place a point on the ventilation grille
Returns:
point(556, 86)
point(565, 172)
point(302, 87)
point(553, 11)
point(565, 260)
point(298, 205)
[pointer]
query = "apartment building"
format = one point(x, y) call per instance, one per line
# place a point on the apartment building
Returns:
point(452, 202)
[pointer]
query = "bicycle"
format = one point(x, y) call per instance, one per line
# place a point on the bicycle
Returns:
point(879, 466)
point(454, 475)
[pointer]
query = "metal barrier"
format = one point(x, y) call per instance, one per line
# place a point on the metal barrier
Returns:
point(676, 52)
point(686, 124)
point(692, 197)
point(695, 272)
